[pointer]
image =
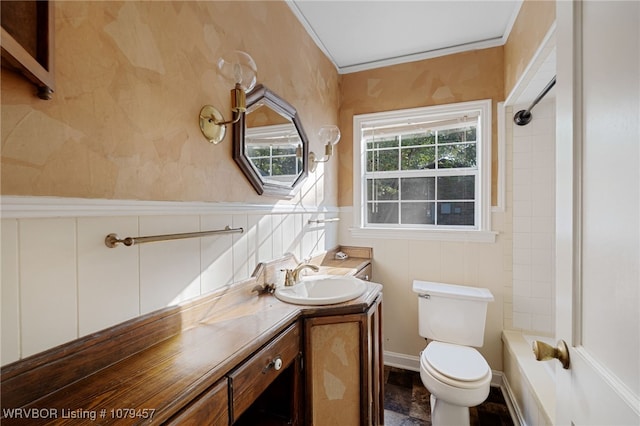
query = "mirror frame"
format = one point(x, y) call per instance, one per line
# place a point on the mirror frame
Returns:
point(282, 107)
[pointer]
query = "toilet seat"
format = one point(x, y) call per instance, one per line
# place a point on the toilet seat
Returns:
point(458, 366)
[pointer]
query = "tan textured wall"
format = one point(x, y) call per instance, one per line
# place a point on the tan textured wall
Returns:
point(533, 23)
point(131, 78)
point(461, 77)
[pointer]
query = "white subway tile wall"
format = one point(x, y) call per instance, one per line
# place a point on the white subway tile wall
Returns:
point(534, 220)
point(60, 268)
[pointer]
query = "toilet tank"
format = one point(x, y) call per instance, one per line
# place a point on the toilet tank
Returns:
point(452, 313)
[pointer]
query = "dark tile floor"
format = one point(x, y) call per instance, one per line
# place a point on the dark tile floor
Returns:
point(406, 402)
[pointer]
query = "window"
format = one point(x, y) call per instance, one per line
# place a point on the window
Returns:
point(275, 151)
point(275, 161)
point(424, 170)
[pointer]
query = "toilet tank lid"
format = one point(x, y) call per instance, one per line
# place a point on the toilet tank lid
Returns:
point(452, 290)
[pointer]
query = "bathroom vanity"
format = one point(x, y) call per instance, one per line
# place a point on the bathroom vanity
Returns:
point(236, 356)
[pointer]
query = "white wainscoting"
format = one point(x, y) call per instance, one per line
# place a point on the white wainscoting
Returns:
point(60, 282)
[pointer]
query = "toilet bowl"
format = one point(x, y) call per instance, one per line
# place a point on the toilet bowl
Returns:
point(453, 371)
point(457, 377)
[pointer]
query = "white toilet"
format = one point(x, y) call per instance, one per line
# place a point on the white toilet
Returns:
point(456, 374)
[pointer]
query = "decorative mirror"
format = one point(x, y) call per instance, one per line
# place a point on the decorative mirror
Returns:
point(270, 145)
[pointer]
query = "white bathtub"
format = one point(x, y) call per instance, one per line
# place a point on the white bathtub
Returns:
point(529, 383)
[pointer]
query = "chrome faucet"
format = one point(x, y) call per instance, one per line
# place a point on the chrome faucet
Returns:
point(292, 276)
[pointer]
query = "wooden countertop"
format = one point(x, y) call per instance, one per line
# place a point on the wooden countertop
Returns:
point(214, 335)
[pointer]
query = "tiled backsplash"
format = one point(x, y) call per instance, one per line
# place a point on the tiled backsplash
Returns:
point(60, 281)
point(534, 220)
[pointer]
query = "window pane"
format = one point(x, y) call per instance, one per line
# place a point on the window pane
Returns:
point(426, 138)
point(460, 213)
point(382, 213)
point(283, 166)
point(418, 213)
point(418, 158)
point(382, 189)
point(456, 188)
point(284, 150)
point(454, 156)
point(382, 160)
point(262, 164)
point(391, 142)
point(418, 188)
point(258, 151)
point(462, 134)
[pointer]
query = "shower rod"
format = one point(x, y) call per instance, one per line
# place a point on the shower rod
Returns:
point(523, 117)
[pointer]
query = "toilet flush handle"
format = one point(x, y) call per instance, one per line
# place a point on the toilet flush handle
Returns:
point(544, 352)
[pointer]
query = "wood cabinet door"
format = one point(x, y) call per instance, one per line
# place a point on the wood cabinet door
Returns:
point(333, 369)
point(343, 366)
point(375, 363)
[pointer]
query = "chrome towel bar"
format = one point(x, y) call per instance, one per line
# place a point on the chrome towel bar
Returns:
point(112, 240)
point(334, 219)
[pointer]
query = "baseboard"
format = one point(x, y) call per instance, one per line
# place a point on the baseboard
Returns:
point(509, 398)
point(497, 378)
point(406, 362)
point(412, 363)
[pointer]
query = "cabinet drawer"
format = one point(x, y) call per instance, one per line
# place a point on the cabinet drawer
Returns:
point(210, 408)
point(249, 380)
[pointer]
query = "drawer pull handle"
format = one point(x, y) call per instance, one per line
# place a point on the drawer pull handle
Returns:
point(275, 363)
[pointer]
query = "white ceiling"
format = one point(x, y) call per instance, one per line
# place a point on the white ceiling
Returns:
point(358, 34)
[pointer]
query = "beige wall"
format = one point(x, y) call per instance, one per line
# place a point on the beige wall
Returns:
point(461, 77)
point(533, 23)
point(122, 129)
point(397, 262)
point(483, 74)
point(131, 78)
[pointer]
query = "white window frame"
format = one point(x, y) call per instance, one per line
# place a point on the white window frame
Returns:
point(271, 135)
point(481, 232)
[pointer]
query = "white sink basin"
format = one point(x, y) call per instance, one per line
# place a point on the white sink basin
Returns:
point(322, 290)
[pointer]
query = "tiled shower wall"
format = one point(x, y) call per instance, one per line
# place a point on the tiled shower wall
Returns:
point(60, 281)
point(534, 219)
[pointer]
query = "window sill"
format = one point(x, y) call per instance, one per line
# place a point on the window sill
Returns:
point(423, 234)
